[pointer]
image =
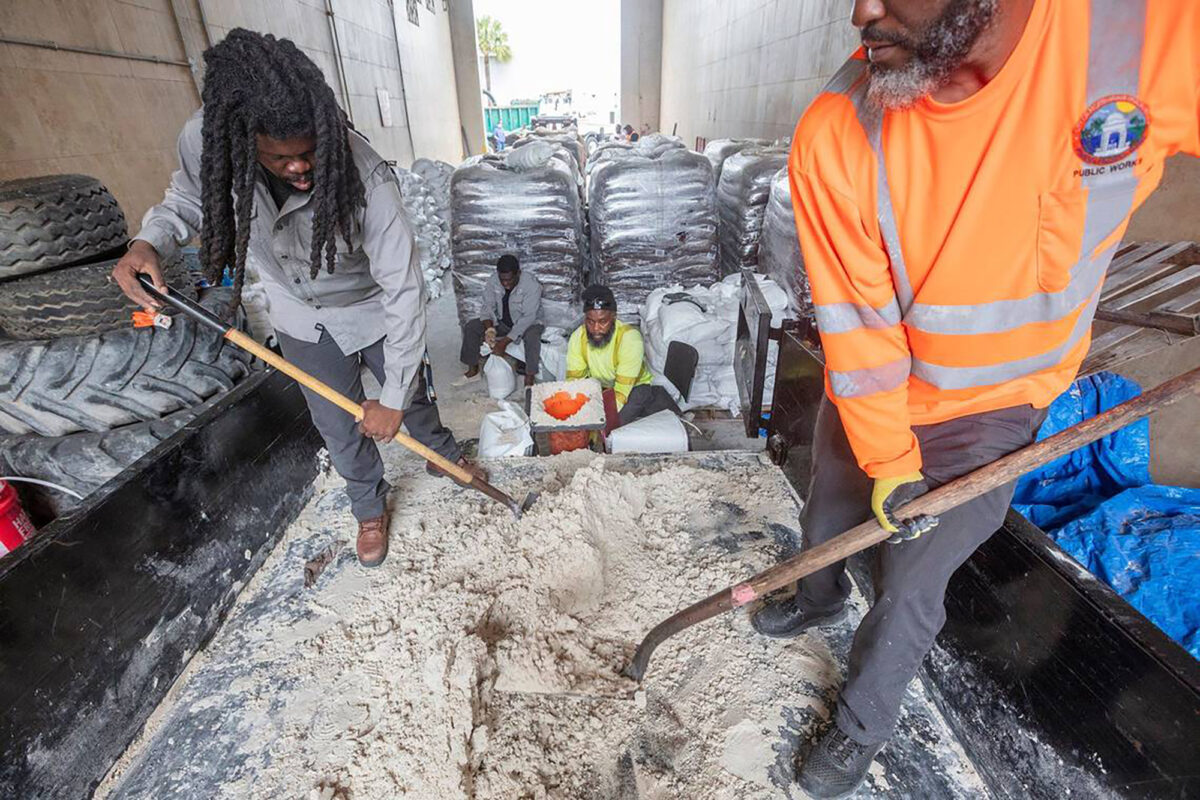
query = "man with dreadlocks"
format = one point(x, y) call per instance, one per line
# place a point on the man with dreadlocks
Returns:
point(270, 171)
point(959, 188)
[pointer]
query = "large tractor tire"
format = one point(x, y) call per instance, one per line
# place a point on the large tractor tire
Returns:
point(82, 462)
point(53, 387)
point(54, 221)
point(74, 301)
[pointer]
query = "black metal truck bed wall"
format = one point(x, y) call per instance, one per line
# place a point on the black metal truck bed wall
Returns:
point(102, 609)
point(1054, 685)
point(1039, 657)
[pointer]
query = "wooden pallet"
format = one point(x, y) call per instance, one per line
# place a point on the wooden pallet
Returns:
point(1154, 290)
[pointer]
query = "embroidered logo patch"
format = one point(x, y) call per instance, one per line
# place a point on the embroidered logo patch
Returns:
point(1111, 129)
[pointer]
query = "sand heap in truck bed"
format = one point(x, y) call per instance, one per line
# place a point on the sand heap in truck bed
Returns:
point(480, 660)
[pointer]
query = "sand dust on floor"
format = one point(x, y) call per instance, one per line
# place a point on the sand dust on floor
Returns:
point(482, 659)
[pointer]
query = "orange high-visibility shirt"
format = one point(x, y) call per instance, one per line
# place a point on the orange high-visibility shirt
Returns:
point(1006, 207)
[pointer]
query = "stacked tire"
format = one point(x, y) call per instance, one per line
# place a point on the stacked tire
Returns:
point(83, 394)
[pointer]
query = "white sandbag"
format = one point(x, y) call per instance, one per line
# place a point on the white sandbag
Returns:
point(505, 433)
point(706, 319)
point(662, 432)
point(553, 366)
point(500, 377)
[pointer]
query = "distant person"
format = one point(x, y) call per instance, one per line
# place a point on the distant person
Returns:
point(512, 305)
point(271, 133)
point(498, 134)
point(630, 134)
point(612, 352)
point(618, 134)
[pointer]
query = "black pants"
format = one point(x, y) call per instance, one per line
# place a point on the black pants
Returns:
point(354, 456)
point(910, 578)
point(472, 340)
point(645, 400)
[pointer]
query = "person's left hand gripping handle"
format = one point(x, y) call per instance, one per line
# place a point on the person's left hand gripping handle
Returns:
point(889, 494)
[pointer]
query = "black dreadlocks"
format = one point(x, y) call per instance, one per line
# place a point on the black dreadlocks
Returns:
point(253, 84)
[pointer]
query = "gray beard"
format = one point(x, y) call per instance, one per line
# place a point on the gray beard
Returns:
point(603, 340)
point(936, 53)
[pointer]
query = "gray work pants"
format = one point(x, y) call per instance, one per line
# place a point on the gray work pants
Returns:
point(909, 578)
point(354, 456)
point(645, 400)
point(472, 340)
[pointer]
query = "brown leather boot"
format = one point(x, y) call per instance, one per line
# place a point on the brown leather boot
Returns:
point(372, 543)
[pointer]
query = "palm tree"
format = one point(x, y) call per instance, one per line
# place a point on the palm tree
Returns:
point(493, 43)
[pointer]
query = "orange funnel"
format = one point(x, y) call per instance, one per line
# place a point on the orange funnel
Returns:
point(561, 405)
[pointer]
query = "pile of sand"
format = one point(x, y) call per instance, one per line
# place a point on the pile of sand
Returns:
point(481, 660)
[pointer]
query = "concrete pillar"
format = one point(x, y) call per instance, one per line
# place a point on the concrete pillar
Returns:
point(641, 62)
point(466, 76)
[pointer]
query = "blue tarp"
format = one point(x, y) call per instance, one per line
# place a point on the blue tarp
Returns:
point(1099, 505)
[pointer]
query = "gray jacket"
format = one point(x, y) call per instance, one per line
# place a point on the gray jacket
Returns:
point(524, 304)
point(375, 291)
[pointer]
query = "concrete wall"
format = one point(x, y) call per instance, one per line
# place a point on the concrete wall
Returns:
point(117, 119)
point(429, 80)
point(367, 38)
point(643, 56)
point(112, 118)
point(748, 67)
point(466, 74)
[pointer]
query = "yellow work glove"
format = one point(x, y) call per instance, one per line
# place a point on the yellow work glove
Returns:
point(889, 494)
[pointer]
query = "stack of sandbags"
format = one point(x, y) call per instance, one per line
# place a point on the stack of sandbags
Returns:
point(652, 145)
point(706, 319)
point(569, 139)
point(653, 222)
point(718, 150)
point(430, 221)
point(742, 193)
point(526, 203)
point(779, 256)
point(437, 175)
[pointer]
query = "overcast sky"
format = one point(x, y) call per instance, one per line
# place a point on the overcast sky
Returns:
point(556, 45)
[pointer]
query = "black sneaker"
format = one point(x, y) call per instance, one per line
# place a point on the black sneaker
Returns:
point(836, 765)
point(785, 618)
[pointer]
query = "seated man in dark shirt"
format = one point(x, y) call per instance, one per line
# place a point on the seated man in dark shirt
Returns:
point(512, 309)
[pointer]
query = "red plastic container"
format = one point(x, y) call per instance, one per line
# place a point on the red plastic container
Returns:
point(15, 526)
point(566, 441)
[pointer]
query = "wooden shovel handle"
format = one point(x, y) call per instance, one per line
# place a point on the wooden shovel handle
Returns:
point(938, 501)
point(341, 401)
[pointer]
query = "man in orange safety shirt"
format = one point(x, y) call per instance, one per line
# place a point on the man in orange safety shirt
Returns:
point(959, 188)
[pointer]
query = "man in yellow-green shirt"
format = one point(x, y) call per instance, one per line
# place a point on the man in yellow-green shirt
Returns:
point(611, 351)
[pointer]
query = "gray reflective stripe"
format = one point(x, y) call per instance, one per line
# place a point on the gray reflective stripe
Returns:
point(1003, 315)
point(847, 75)
point(843, 317)
point(860, 382)
point(1117, 33)
point(969, 377)
point(870, 117)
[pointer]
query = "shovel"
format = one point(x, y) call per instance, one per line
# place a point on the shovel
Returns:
point(204, 317)
point(937, 501)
